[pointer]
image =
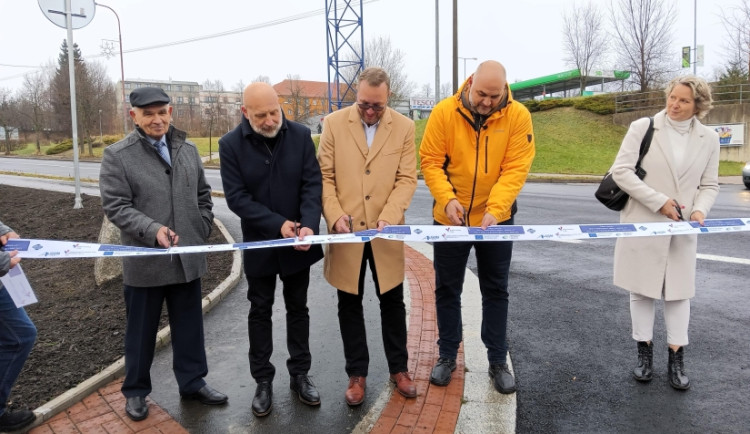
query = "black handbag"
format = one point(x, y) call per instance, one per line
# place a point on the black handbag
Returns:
point(609, 193)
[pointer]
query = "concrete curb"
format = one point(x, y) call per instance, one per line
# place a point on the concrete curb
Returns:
point(117, 369)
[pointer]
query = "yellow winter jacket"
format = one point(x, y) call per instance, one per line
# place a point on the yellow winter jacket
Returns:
point(483, 166)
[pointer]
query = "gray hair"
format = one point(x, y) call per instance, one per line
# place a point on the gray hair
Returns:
point(701, 92)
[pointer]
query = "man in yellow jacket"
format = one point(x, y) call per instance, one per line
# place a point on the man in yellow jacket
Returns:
point(476, 152)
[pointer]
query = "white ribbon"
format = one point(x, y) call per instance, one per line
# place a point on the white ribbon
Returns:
point(33, 248)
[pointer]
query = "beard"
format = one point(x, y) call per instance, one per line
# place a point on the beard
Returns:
point(269, 133)
point(476, 109)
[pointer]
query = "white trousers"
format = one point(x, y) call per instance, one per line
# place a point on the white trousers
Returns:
point(676, 317)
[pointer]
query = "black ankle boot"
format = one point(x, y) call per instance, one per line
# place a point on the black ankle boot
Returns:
point(676, 371)
point(644, 370)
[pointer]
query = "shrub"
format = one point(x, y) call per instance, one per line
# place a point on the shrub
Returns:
point(599, 104)
point(59, 148)
point(547, 104)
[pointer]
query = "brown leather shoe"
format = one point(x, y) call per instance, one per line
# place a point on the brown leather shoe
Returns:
point(404, 384)
point(355, 393)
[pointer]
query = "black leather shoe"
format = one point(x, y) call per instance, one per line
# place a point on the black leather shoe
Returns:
point(305, 389)
point(441, 373)
point(136, 408)
point(13, 420)
point(207, 395)
point(676, 370)
point(644, 371)
point(263, 399)
point(503, 379)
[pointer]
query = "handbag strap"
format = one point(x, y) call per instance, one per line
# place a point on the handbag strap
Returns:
point(646, 142)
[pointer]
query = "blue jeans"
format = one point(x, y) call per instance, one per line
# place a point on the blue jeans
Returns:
point(493, 266)
point(17, 336)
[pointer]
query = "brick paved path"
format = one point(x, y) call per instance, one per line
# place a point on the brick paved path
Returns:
point(434, 410)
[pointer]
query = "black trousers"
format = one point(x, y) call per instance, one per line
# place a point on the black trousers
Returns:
point(392, 322)
point(143, 310)
point(260, 292)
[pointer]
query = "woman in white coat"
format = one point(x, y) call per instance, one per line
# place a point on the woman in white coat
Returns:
point(681, 180)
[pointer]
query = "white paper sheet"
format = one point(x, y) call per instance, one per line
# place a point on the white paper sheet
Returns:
point(18, 287)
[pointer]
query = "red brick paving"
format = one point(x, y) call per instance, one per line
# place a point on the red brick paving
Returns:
point(434, 410)
point(104, 412)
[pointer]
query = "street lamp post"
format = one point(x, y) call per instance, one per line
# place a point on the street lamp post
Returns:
point(122, 73)
point(465, 59)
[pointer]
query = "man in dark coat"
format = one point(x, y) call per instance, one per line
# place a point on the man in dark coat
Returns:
point(272, 181)
point(154, 190)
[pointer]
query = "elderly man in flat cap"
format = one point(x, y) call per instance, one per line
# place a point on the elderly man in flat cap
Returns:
point(153, 188)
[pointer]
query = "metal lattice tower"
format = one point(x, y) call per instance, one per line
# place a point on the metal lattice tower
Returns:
point(345, 50)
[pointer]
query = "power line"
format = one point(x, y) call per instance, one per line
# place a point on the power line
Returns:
point(271, 23)
point(238, 30)
point(18, 66)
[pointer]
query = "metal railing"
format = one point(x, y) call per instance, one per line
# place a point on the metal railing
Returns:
point(655, 100)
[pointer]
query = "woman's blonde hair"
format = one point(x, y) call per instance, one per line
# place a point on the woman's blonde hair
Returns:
point(701, 92)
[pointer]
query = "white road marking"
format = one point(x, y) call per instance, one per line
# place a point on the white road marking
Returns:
point(728, 259)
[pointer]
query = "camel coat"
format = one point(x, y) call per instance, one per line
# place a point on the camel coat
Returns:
point(646, 265)
point(370, 184)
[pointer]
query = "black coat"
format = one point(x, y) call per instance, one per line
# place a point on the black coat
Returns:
point(267, 188)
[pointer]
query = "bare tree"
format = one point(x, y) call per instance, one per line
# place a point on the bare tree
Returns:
point(262, 78)
point(585, 39)
point(213, 111)
point(643, 31)
point(737, 24)
point(426, 90)
point(446, 90)
point(380, 52)
point(8, 120)
point(95, 98)
point(34, 96)
point(298, 101)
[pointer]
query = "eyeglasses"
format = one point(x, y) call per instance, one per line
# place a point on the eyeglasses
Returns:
point(366, 107)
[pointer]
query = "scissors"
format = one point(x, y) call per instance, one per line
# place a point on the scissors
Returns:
point(171, 241)
point(679, 210)
point(351, 228)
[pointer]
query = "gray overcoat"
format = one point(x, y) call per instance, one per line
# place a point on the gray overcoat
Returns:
point(646, 265)
point(141, 193)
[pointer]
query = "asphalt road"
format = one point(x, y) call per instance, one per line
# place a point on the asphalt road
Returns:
point(65, 168)
point(569, 336)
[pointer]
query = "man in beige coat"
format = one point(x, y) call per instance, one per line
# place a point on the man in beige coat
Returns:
point(368, 161)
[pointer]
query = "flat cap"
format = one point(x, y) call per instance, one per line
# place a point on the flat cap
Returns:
point(146, 96)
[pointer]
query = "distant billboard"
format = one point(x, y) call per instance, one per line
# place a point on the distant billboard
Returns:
point(421, 103)
point(730, 134)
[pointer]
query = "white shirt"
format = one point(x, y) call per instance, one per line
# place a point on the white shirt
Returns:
point(370, 131)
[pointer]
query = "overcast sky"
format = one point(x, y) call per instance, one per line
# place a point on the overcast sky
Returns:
point(525, 35)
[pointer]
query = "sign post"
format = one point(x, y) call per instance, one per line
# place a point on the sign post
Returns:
point(65, 19)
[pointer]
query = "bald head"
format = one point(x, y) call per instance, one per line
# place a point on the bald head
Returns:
point(490, 69)
point(259, 93)
point(260, 105)
point(487, 87)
